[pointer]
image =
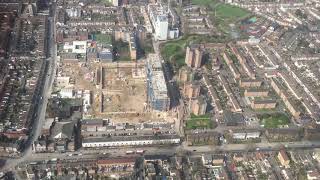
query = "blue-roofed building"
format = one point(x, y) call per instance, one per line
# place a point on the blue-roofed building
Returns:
point(105, 56)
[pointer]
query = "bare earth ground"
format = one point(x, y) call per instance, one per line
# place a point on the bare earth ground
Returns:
point(124, 96)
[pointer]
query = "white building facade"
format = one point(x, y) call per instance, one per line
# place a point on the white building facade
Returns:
point(161, 28)
point(79, 47)
point(105, 142)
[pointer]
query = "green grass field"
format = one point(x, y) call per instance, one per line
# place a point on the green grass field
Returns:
point(222, 15)
point(199, 122)
point(174, 51)
point(103, 38)
point(274, 120)
point(205, 2)
point(230, 12)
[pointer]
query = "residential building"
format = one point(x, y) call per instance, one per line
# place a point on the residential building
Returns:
point(211, 138)
point(233, 119)
point(39, 146)
point(288, 100)
point(194, 56)
point(283, 134)
point(256, 93)
point(185, 74)
point(198, 106)
point(192, 89)
point(161, 28)
point(245, 134)
point(313, 175)
point(117, 162)
point(263, 104)
point(283, 158)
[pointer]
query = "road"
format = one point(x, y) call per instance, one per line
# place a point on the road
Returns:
point(170, 151)
point(45, 93)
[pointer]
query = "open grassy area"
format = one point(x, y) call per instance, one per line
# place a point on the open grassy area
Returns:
point(205, 2)
point(106, 2)
point(103, 38)
point(273, 120)
point(199, 122)
point(121, 50)
point(205, 116)
point(230, 12)
point(222, 15)
point(174, 51)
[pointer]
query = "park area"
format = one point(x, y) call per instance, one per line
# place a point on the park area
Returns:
point(199, 122)
point(223, 15)
point(105, 39)
point(175, 51)
point(273, 120)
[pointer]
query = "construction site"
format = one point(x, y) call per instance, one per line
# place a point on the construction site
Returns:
point(118, 91)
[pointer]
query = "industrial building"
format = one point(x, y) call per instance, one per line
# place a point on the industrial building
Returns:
point(157, 91)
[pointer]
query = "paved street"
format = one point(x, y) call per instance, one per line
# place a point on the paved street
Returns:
point(169, 150)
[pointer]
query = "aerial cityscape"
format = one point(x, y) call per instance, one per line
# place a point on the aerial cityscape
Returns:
point(160, 89)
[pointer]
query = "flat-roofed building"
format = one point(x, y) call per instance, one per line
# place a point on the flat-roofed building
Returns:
point(263, 104)
point(185, 74)
point(249, 83)
point(192, 89)
point(78, 47)
point(117, 141)
point(198, 106)
point(256, 93)
point(194, 56)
